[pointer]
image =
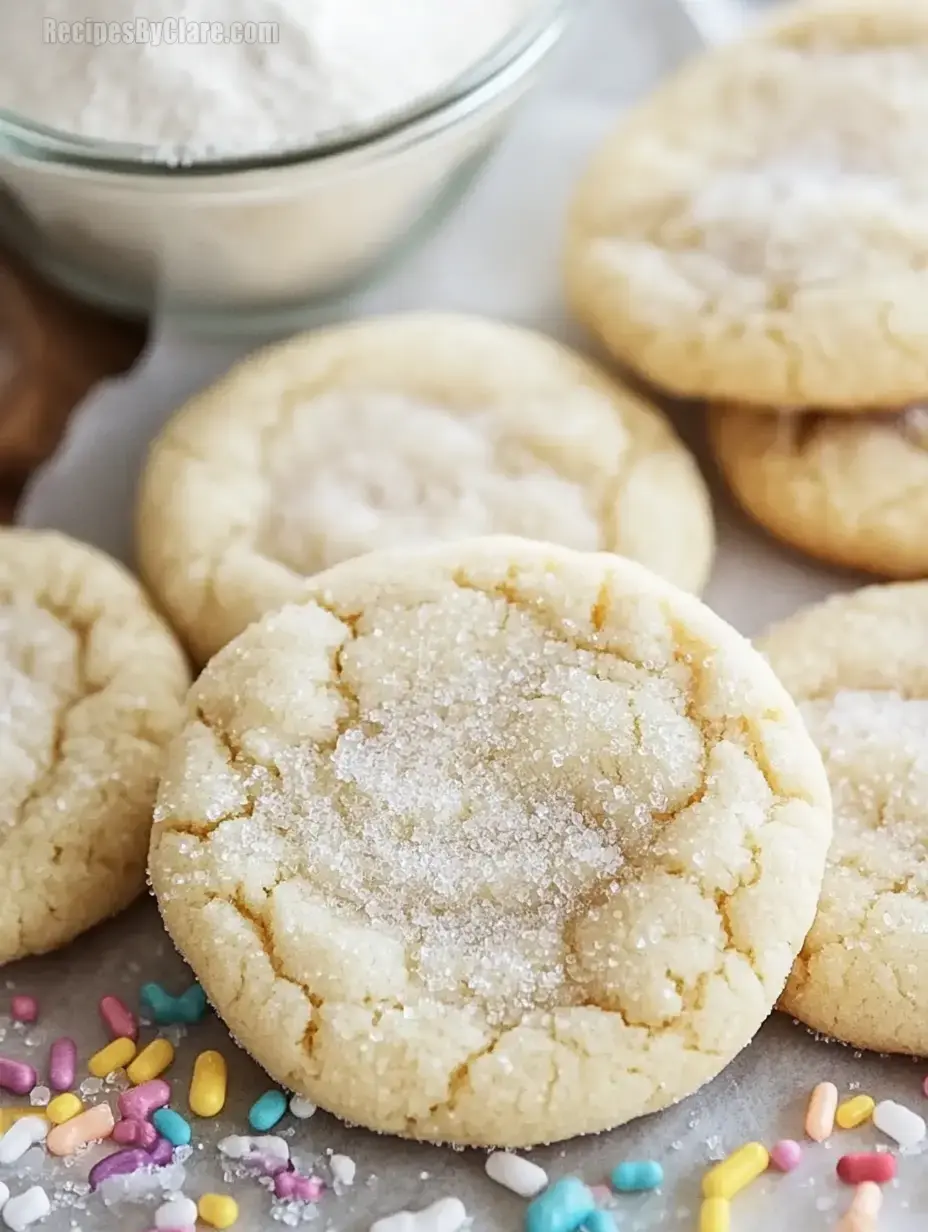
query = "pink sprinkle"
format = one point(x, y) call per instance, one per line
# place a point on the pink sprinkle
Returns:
point(269, 1165)
point(135, 1133)
point(62, 1064)
point(16, 1076)
point(291, 1185)
point(140, 1102)
point(786, 1156)
point(119, 1019)
point(24, 1009)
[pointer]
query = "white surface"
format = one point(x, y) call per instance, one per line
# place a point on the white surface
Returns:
point(500, 255)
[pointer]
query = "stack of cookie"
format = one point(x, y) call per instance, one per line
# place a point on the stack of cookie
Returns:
point(755, 235)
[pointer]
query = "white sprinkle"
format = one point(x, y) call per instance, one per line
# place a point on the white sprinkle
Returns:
point(302, 1108)
point(28, 1208)
point(520, 1175)
point(235, 1147)
point(21, 1136)
point(178, 1213)
point(900, 1123)
point(343, 1169)
point(445, 1215)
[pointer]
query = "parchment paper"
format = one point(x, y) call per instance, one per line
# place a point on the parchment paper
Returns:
point(499, 255)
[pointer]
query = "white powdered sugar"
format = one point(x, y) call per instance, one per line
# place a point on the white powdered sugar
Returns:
point(203, 78)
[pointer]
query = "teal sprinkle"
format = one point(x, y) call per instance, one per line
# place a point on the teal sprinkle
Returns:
point(600, 1221)
point(171, 1125)
point(267, 1111)
point(565, 1206)
point(165, 1010)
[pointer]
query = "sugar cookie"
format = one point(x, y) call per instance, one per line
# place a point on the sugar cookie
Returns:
point(850, 490)
point(93, 686)
point(858, 665)
point(757, 231)
point(401, 431)
point(493, 843)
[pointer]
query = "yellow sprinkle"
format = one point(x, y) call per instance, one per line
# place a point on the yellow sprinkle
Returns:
point(116, 1055)
point(63, 1108)
point(208, 1084)
point(220, 1211)
point(9, 1116)
point(151, 1062)
point(854, 1112)
point(715, 1216)
point(736, 1172)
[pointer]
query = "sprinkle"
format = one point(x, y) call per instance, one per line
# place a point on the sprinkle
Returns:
point(151, 1062)
point(165, 1010)
point(16, 1076)
point(637, 1177)
point(878, 1167)
point(820, 1115)
point(445, 1215)
point(171, 1125)
point(513, 1172)
point(24, 1009)
point(178, 1213)
point(900, 1123)
point(786, 1156)
point(301, 1108)
point(854, 1112)
point(120, 1164)
point(118, 1019)
point(62, 1064)
point(237, 1147)
point(218, 1210)
point(293, 1187)
point(267, 1110)
point(561, 1208)
point(93, 1125)
point(162, 1153)
point(715, 1215)
point(20, 1137)
point(209, 1084)
point(116, 1055)
point(21, 1212)
point(599, 1221)
point(344, 1170)
point(135, 1133)
point(140, 1102)
point(63, 1108)
point(736, 1172)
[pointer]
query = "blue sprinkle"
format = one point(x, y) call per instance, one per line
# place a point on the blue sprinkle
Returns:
point(599, 1221)
point(636, 1177)
point(165, 1010)
point(171, 1125)
point(563, 1207)
point(267, 1111)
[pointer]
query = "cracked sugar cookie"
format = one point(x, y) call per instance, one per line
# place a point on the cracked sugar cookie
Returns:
point(491, 843)
point(92, 688)
point(850, 490)
point(858, 666)
point(756, 231)
point(398, 432)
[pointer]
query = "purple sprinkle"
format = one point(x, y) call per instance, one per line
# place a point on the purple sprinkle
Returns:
point(270, 1165)
point(16, 1076)
point(62, 1064)
point(135, 1133)
point(161, 1153)
point(24, 1009)
point(301, 1188)
point(139, 1103)
point(120, 1164)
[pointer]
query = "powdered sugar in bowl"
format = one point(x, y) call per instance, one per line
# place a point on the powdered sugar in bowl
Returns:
point(253, 231)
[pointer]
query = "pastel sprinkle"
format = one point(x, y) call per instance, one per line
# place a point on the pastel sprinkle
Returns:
point(93, 1125)
point(24, 1009)
point(171, 1125)
point(445, 1215)
point(135, 1133)
point(267, 1110)
point(16, 1076)
point(715, 1215)
point(151, 1062)
point(140, 1102)
point(854, 1112)
point(208, 1084)
point(20, 1137)
point(122, 1163)
point(563, 1207)
point(115, 1055)
point(62, 1064)
point(301, 1108)
point(26, 1209)
point(820, 1114)
point(218, 1210)
point(876, 1166)
point(166, 1010)
point(900, 1123)
point(118, 1019)
point(786, 1156)
point(637, 1177)
point(292, 1187)
point(177, 1213)
point(736, 1172)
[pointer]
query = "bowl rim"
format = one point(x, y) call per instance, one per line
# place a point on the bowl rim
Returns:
point(28, 140)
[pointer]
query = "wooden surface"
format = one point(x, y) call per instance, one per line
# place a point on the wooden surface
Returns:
point(53, 350)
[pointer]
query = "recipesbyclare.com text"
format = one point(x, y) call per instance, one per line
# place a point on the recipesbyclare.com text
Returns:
point(168, 31)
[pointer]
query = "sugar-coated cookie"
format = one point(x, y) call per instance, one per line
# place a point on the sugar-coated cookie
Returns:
point(92, 685)
point(757, 231)
point(399, 431)
point(858, 666)
point(492, 842)
point(851, 490)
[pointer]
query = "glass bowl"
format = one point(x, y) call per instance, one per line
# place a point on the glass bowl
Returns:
point(257, 242)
